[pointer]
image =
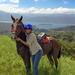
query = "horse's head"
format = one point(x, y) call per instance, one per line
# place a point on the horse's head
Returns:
point(17, 27)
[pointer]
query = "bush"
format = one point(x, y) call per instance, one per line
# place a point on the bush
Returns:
point(68, 48)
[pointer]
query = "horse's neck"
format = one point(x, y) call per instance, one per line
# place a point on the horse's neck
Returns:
point(22, 36)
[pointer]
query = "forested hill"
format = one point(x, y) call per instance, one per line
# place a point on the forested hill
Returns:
point(67, 28)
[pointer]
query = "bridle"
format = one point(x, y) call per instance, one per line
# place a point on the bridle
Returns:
point(16, 29)
point(17, 26)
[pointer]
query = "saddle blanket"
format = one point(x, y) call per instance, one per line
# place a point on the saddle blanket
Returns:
point(46, 40)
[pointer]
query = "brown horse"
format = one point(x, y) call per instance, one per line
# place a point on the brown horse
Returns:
point(17, 30)
point(51, 48)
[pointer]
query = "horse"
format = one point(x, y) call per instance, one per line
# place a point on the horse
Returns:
point(52, 48)
point(17, 30)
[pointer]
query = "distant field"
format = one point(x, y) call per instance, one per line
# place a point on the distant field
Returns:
point(12, 64)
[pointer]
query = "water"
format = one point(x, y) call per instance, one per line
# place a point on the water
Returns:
point(43, 25)
point(48, 25)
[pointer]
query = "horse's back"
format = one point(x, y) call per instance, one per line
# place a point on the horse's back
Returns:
point(55, 42)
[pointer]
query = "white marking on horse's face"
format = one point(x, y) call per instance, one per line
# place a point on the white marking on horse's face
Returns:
point(15, 25)
point(13, 34)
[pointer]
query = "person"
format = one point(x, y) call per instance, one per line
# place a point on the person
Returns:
point(35, 49)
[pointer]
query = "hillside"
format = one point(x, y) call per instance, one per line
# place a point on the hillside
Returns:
point(12, 64)
point(68, 28)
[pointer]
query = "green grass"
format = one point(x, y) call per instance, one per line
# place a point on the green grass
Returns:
point(12, 64)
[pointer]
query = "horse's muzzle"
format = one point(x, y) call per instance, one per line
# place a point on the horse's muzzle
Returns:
point(13, 36)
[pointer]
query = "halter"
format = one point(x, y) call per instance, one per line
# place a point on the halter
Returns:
point(13, 30)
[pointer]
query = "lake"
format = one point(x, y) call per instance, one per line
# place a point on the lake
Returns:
point(43, 25)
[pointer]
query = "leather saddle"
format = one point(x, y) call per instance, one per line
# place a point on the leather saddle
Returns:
point(42, 38)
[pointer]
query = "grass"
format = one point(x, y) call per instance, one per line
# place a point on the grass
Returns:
point(11, 63)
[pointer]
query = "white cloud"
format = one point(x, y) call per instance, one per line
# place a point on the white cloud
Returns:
point(65, 2)
point(36, 0)
point(8, 7)
point(14, 1)
point(14, 8)
point(2, 0)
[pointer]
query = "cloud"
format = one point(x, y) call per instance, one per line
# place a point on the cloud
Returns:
point(2, 0)
point(14, 8)
point(36, 0)
point(14, 1)
point(10, 8)
point(59, 10)
point(66, 2)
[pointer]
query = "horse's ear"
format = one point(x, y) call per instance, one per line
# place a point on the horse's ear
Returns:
point(20, 18)
point(12, 18)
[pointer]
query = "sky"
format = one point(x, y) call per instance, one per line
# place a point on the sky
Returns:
point(38, 6)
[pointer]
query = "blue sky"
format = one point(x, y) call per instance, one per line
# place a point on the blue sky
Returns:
point(38, 6)
point(47, 3)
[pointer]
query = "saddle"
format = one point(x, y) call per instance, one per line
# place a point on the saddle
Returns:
point(42, 38)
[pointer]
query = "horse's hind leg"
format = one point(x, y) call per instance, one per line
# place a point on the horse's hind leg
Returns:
point(50, 59)
point(56, 62)
point(55, 56)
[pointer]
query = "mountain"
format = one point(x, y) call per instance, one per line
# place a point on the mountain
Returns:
point(37, 19)
point(5, 28)
point(40, 18)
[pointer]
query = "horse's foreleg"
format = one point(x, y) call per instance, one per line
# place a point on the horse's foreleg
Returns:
point(26, 58)
point(27, 64)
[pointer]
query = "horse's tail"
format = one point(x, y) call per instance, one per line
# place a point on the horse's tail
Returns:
point(59, 53)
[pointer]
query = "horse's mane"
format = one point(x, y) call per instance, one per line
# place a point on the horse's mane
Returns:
point(22, 34)
point(22, 24)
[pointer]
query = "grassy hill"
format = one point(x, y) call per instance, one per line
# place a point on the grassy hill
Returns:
point(12, 64)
